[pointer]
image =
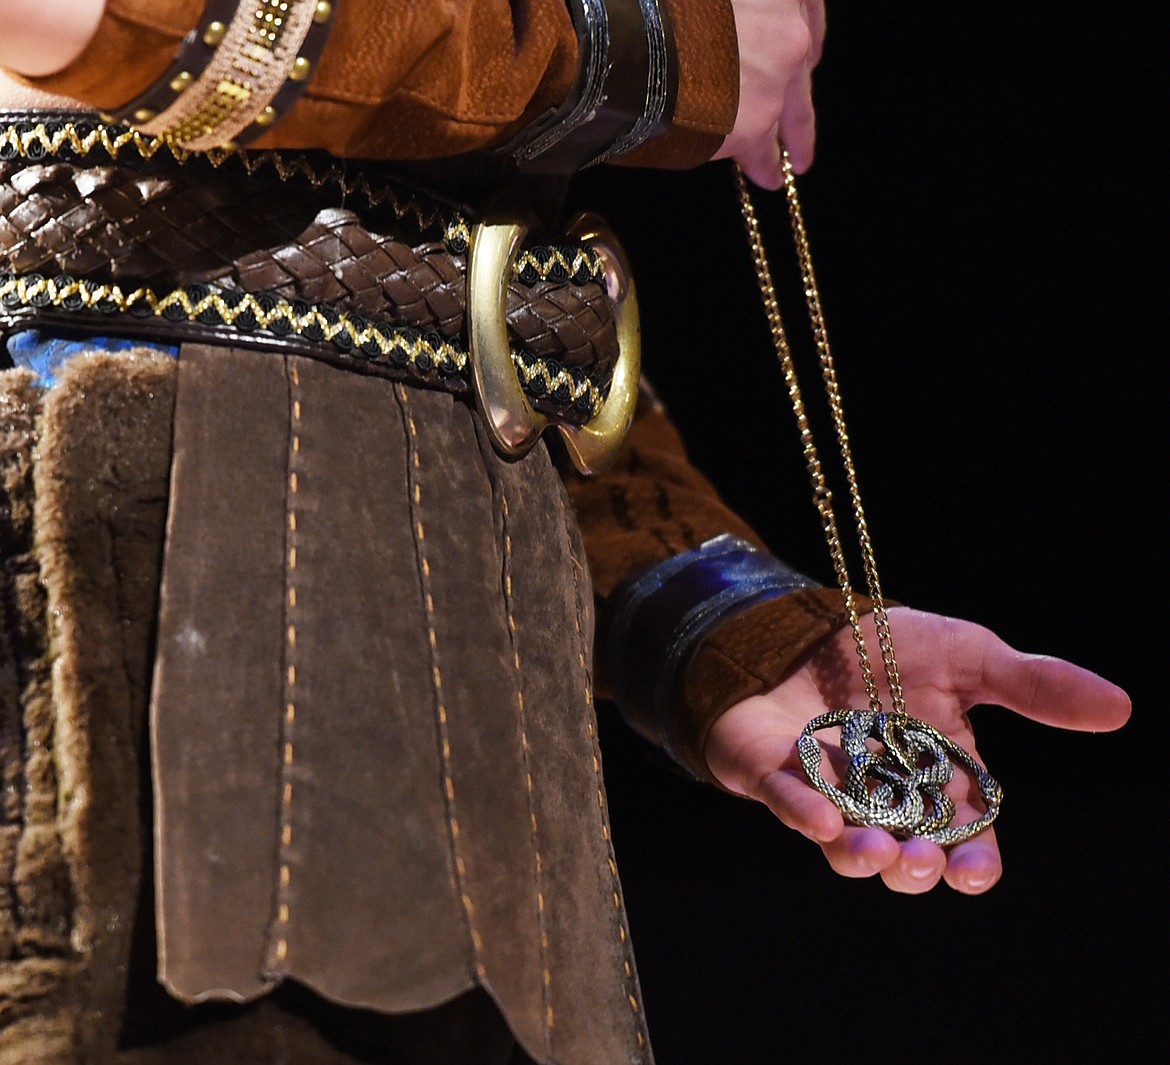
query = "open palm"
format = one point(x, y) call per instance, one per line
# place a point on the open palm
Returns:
point(946, 666)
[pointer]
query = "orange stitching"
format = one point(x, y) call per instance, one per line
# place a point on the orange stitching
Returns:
point(437, 681)
point(509, 601)
point(290, 710)
point(587, 686)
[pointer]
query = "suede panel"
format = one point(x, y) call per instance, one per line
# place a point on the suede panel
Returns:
point(434, 79)
point(374, 916)
point(410, 795)
point(473, 703)
point(215, 712)
point(592, 993)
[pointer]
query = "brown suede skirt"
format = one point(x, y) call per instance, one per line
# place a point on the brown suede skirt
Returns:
point(303, 638)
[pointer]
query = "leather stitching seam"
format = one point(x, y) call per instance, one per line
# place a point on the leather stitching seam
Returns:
point(631, 988)
point(444, 738)
point(538, 869)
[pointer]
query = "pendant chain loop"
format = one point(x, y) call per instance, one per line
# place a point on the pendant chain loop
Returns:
point(822, 496)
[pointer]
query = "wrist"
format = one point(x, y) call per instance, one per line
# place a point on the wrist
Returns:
point(658, 624)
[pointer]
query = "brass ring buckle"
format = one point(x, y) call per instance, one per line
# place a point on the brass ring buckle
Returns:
point(513, 423)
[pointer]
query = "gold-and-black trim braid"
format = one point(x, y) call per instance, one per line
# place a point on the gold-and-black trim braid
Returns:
point(77, 138)
point(206, 313)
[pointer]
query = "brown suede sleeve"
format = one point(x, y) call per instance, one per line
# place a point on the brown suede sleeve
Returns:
point(650, 505)
point(427, 78)
point(708, 88)
point(653, 504)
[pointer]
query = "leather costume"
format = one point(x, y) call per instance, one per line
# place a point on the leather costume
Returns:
point(364, 637)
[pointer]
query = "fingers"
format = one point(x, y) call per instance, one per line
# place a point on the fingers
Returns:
point(918, 867)
point(797, 126)
point(909, 867)
point(788, 796)
point(760, 160)
point(1045, 689)
point(860, 852)
point(975, 866)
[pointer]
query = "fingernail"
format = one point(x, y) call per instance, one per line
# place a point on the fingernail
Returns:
point(979, 881)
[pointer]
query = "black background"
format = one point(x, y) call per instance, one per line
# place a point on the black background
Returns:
point(987, 224)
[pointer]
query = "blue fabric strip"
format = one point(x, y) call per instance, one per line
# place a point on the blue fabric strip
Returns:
point(46, 354)
point(658, 621)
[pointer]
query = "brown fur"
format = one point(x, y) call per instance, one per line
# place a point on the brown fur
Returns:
point(79, 609)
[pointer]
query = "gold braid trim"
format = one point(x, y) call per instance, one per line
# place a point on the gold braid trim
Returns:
point(278, 316)
point(579, 264)
point(574, 263)
point(40, 142)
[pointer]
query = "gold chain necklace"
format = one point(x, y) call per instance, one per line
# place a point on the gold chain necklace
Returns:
point(901, 787)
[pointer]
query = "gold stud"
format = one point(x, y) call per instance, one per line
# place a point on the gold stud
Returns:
point(323, 13)
point(301, 69)
point(106, 117)
point(180, 81)
point(144, 114)
point(266, 117)
point(214, 33)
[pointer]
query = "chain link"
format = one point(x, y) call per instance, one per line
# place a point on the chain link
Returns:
point(904, 790)
point(822, 495)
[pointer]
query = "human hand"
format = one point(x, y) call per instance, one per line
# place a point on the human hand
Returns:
point(44, 36)
point(946, 667)
point(779, 44)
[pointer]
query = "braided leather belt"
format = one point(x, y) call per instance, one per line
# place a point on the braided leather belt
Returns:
point(105, 230)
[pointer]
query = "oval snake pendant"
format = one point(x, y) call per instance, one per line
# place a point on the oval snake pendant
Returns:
point(900, 787)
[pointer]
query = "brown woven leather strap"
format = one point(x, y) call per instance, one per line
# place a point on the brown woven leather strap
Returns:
point(211, 315)
point(88, 201)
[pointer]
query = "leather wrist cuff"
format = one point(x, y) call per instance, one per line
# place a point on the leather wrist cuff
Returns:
point(750, 654)
point(624, 93)
point(657, 622)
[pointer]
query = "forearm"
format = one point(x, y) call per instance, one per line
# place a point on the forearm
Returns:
point(650, 511)
point(423, 79)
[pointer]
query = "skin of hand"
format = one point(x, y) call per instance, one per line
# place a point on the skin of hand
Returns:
point(44, 36)
point(946, 667)
point(780, 42)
